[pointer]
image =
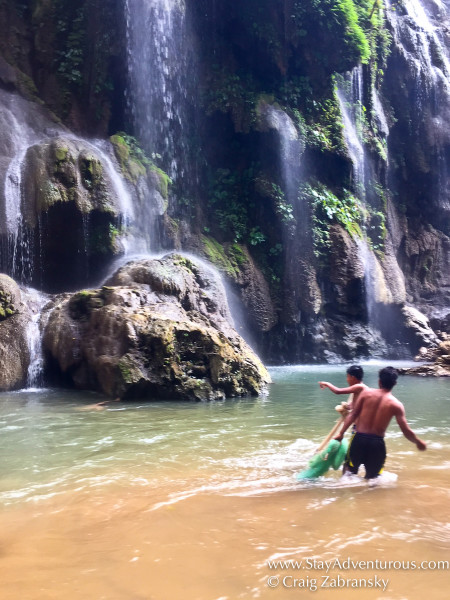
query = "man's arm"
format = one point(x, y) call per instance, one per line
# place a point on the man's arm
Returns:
point(350, 418)
point(406, 429)
point(348, 390)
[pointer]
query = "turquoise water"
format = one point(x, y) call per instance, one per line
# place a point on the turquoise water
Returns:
point(130, 500)
point(52, 440)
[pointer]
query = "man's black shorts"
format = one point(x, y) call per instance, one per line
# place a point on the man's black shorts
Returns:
point(369, 450)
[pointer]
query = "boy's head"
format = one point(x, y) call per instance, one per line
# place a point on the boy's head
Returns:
point(388, 378)
point(355, 374)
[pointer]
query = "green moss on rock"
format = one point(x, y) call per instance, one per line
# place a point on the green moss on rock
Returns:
point(135, 164)
point(7, 307)
point(128, 370)
point(61, 153)
point(163, 179)
point(230, 258)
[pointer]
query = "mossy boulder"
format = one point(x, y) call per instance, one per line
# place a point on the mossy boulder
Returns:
point(72, 208)
point(67, 170)
point(160, 328)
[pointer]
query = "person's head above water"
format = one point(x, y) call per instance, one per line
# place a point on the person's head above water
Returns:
point(387, 378)
point(356, 373)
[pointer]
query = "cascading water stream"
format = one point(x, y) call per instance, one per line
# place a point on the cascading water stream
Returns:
point(420, 42)
point(349, 93)
point(350, 96)
point(290, 151)
point(158, 77)
point(36, 302)
point(18, 245)
point(419, 30)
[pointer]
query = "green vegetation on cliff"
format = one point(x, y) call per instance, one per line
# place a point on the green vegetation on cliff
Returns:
point(134, 163)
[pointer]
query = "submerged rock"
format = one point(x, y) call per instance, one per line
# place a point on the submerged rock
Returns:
point(159, 328)
point(14, 318)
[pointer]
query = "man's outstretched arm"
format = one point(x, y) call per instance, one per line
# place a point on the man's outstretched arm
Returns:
point(348, 390)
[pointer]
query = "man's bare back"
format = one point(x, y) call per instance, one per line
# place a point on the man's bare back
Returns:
point(373, 412)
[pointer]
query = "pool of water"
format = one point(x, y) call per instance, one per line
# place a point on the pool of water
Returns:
point(194, 501)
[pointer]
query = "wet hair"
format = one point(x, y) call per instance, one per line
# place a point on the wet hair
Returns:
point(388, 377)
point(356, 371)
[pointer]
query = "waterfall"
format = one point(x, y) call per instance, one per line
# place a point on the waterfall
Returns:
point(371, 281)
point(377, 292)
point(129, 240)
point(35, 301)
point(419, 29)
point(26, 125)
point(21, 136)
point(290, 150)
point(380, 116)
point(420, 42)
point(349, 92)
point(158, 78)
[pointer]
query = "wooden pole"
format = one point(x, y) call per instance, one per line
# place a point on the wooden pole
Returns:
point(338, 425)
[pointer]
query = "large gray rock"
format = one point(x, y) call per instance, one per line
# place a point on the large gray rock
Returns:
point(159, 328)
point(418, 327)
point(14, 319)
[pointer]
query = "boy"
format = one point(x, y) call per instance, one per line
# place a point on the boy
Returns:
point(355, 376)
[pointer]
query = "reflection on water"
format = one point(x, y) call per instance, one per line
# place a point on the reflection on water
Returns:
point(190, 501)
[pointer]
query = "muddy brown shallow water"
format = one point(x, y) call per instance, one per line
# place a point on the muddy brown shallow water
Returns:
point(173, 501)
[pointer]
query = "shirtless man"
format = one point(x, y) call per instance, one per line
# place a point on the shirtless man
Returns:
point(373, 413)
point(355, 375)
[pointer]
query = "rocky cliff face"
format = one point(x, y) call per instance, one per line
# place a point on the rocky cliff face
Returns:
point(308, 157)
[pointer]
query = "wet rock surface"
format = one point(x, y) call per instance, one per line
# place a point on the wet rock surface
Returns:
point(14, 319)
point(158, 328)
point(438, 365)
point(70, 211)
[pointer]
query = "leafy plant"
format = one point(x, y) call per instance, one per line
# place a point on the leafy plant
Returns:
point(327, 208)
